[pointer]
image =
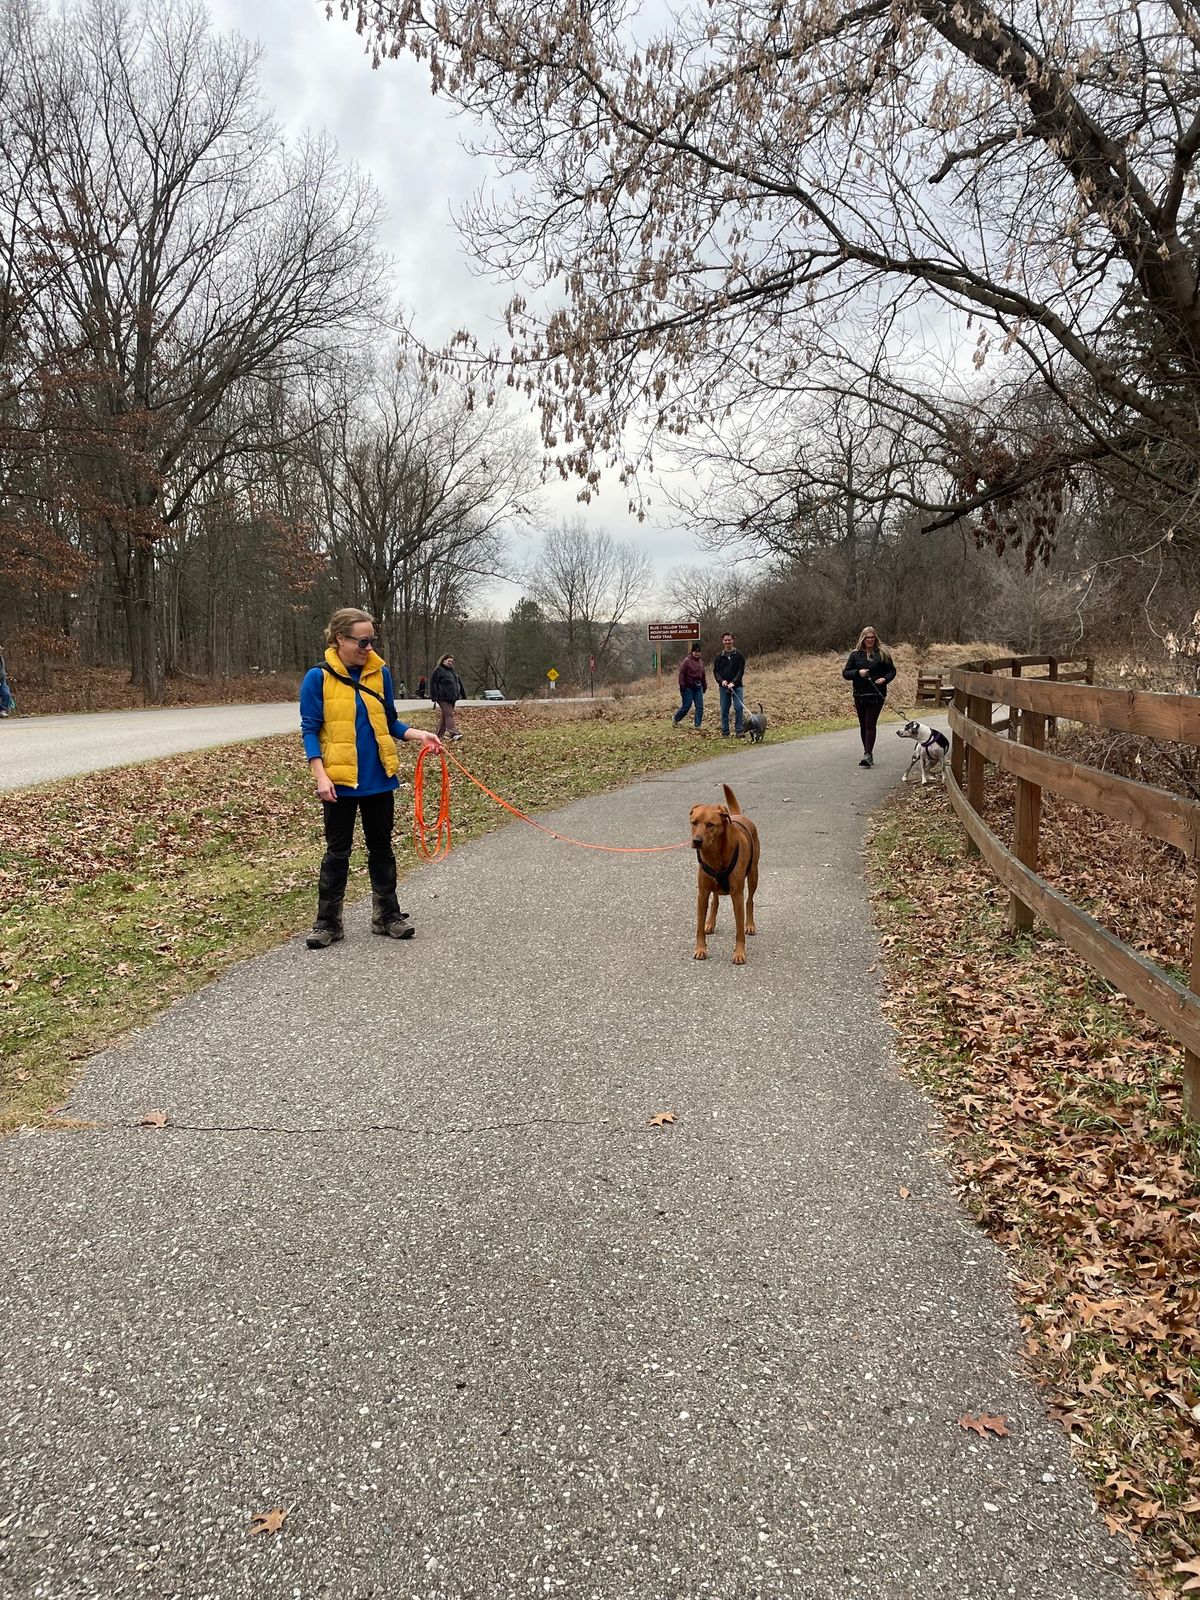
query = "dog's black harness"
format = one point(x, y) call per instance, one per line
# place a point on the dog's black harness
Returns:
point(939, 739)
point(721, 874)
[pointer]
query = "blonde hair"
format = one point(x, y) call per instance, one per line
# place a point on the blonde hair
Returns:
point(343, 620)
point(881, 649)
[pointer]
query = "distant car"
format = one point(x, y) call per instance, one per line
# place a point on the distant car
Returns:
point(493, 694)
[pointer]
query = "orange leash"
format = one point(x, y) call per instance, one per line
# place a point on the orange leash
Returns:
point(441, 830)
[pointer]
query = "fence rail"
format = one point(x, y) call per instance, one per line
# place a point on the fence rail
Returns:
point(1035, 704)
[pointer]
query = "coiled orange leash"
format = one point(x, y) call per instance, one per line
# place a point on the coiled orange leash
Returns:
point(440, 845)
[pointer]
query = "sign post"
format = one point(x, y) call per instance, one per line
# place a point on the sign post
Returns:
point(592, 675)
point(671, 632)
point(553, 676)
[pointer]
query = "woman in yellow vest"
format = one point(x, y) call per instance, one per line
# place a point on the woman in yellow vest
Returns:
point(350, 728)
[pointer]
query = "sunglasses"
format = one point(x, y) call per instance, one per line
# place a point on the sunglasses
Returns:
point(363, 644)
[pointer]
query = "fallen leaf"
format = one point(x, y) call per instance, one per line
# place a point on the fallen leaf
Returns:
point(904, 1193)
point(155, 1119)
point(983, 1424)
point(268, 1521)
point(1191, 1570)
point(662, 1120)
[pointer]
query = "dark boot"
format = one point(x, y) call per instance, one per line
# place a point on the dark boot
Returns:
point(387, 918)
point(331, 891)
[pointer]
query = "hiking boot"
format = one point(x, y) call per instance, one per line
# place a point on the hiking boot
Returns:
point(387, 919)
point(331, 890)
point(865, 762)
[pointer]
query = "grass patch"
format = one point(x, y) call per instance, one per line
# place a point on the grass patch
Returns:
point(123, 890)
point(1063, 1110)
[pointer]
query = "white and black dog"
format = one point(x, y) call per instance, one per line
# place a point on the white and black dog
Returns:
point(932, 749)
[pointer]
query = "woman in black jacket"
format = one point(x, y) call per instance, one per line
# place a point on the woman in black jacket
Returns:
point(870, 669)
point(446, 690)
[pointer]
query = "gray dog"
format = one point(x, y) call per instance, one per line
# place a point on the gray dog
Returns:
point(756, 725)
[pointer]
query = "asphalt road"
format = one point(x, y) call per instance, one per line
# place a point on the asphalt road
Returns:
point(410, 1261)
point(42, 749)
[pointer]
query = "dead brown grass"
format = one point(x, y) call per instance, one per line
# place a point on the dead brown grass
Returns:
point(65, 687)
point(804, 688)
point(793, 688)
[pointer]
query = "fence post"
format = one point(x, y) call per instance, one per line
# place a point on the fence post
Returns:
point(956, 741)
point(979, 710)
point(1191, 1062)
point(1027, 818)
point(1013, 715)
point(1052, 674)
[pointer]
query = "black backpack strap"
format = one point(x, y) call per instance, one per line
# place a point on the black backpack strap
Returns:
point(359, 688)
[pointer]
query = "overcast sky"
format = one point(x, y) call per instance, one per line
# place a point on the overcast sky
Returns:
point(315, 74)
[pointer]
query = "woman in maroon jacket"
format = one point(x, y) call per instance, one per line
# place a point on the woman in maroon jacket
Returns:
point(693, 681)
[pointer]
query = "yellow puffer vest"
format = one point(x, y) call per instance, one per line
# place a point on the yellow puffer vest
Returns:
point(339, 745)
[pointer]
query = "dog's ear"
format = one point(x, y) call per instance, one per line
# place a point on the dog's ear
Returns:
point(723, 813)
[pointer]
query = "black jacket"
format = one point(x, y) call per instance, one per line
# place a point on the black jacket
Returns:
point(729, 667)
point(445, 686)
point(877, 667)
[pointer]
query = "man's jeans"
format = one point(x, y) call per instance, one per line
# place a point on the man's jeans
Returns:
point(734, 695)
point(693, 695)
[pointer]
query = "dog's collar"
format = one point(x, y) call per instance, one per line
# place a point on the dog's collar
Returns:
point(721, 874)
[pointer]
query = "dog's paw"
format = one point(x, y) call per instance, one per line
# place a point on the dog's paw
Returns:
point(700, 955)
point(739, 958)
point(750, 929)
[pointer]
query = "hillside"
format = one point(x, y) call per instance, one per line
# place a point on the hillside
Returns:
point(800, 687)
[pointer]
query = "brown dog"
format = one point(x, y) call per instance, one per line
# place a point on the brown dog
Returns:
point(727, 850)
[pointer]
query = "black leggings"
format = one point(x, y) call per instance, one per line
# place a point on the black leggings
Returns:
point(868, 717)
point(378, 812)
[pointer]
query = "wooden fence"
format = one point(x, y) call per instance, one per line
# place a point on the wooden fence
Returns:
point(1032, 703)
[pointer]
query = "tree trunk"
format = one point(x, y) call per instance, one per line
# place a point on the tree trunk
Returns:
point(144, 641)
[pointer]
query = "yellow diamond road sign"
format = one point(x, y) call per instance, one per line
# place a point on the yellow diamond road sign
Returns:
point(552, 674)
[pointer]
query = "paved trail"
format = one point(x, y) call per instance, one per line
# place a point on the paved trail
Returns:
point(412, 1263)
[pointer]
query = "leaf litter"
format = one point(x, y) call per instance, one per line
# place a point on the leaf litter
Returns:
point(1061, 1106)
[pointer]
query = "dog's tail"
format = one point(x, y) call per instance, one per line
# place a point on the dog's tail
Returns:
point(731, 800)
point(761, 712)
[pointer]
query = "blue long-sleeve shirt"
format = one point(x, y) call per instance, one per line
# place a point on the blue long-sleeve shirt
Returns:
point(372, 779)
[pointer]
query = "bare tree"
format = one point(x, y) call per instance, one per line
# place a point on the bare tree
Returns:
point(587, 583)
point(417, 492)
point(761, 206)
point(195, 253)
point(711, 596)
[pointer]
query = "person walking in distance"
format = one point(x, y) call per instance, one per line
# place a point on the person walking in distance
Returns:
point(693, 681)
point(869, 668)
point(7, 704)
point(421, 687)
point(446, 690)
point(349, 724)
point(728, 670)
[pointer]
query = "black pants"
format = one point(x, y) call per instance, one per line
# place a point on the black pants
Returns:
point(378, 820)
point(868, 718)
